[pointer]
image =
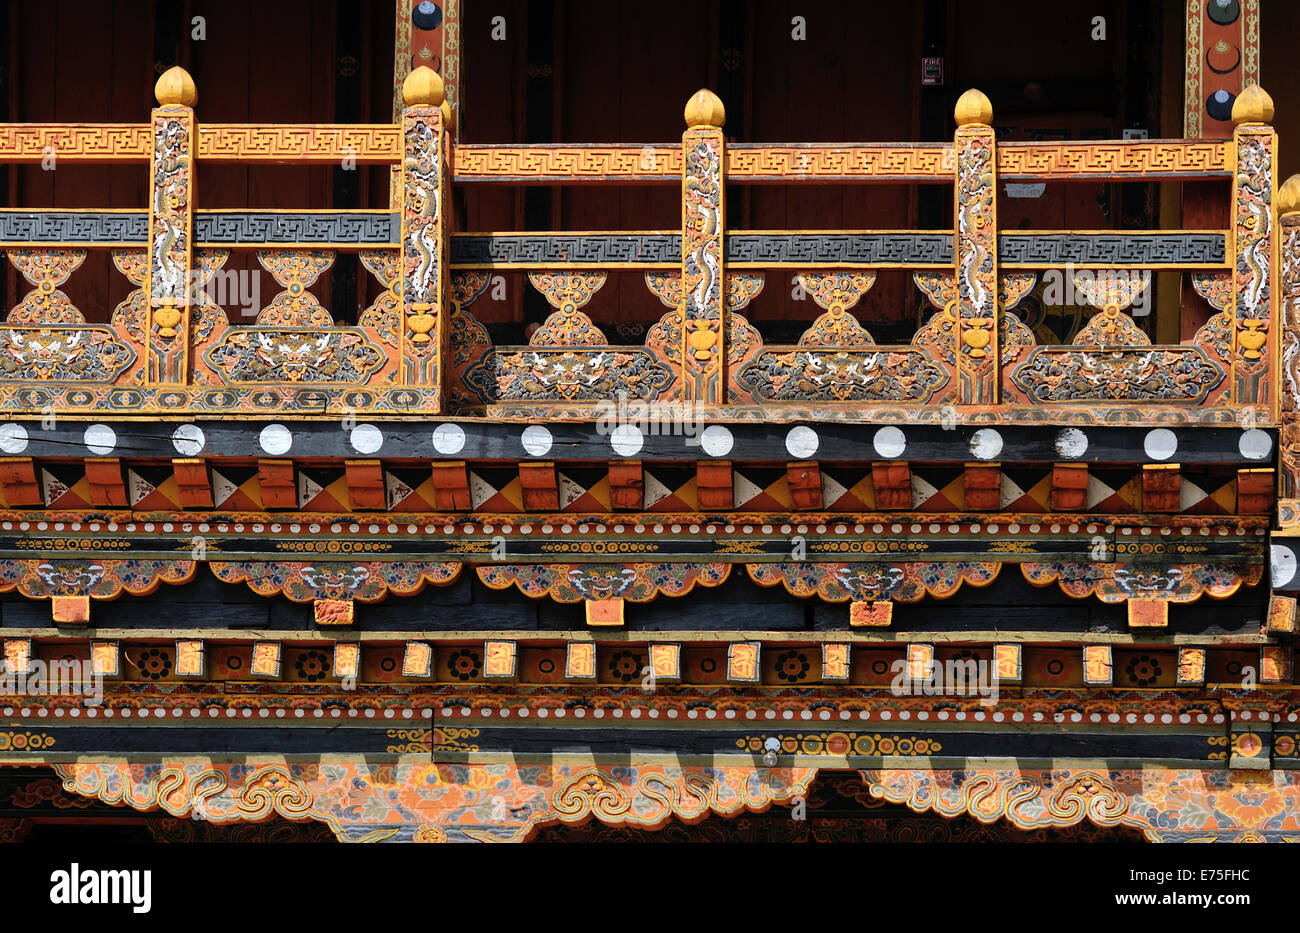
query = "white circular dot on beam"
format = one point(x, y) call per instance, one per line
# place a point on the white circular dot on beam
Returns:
point(1071, 443)
point(13, 438)
point(366, 438)
point(717, 440)
point(188, 440)
point(536, 440)
point(1282, 563)
point(801, 442)
point(627, 440)
point(275, 439)
point(986, 443)
point(1160, 444)
point(449, 439)
point(1255, 444)
point(890, 442)
point(100, 439)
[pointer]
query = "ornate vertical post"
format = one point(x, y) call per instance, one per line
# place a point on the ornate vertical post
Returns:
point(424, 272)
point(446, 221)
point(171, 210)
point(1255, 144)
point(976, 253)
point(1288, 209)
point(704, 326)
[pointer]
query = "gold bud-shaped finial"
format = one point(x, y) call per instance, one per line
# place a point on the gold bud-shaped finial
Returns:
point(1253, 105)
point(445, 107)
point(705, 109)
point(1287, 198)
point(973, 107)
point(423, 87)
point(176, 88)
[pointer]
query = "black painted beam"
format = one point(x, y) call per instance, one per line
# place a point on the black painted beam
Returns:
point(641, 434)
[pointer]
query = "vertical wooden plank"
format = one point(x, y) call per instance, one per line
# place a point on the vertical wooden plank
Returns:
point(451, 60)
point(84, 74)
point(290, 55)
point(344, 305)
point(770, 116)
point(130, 89)
point(895, 78)
point(402, 48)
point(1168, 284)
point(221, 62)
point(1210, 71)
point(36, 67)
point(489, 114)
point(814, 103)
point(798, 94)
point(52, 79)
point(428, 37)
point(322, 62)
point(60, 97)
point(589, 91)
point(649, 99)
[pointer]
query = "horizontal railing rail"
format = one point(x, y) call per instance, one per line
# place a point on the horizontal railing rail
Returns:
point(217, 142)
point(1115, 160)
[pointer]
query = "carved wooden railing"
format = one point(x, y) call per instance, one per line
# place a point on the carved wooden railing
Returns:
point(418, 349)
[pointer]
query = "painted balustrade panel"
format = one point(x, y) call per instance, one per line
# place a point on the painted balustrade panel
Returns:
point(189, 339)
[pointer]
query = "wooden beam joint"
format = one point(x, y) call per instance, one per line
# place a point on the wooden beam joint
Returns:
point(277, 483)
point(540, 489)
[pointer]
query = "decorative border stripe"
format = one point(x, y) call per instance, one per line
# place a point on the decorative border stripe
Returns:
point(94, 142)
point(377, 228)
point(887, 248)
point(237, 142)
point(24, 227)
point(1129, 249)
point(660, 163)
point(530, 249)
point(664, 249)
point(1169, 158)
point(887, 163)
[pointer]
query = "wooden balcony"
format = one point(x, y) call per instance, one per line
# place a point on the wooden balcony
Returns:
point(170, 350)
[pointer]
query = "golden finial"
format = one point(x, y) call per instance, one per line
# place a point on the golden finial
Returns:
point(973, 107)
point(1253, 105)
point(1288, 196)
point(423, 87)
point(705, 109)
point(445, 107)
point(176, 88)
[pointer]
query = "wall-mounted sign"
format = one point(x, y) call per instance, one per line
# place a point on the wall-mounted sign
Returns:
point(1033, 189)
